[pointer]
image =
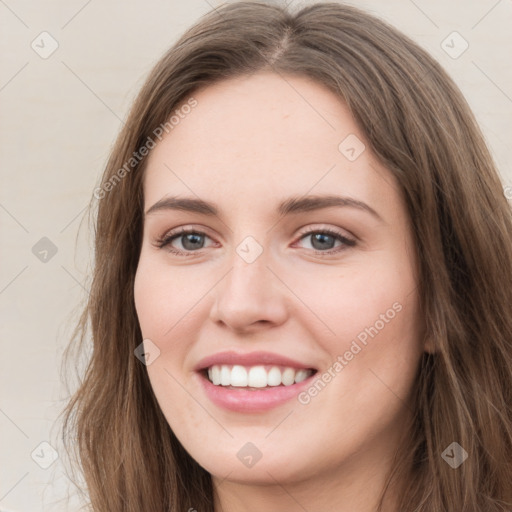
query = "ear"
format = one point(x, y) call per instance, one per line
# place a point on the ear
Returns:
point(429, 345)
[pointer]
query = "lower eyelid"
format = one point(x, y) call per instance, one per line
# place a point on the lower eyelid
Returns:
point(345, 243)
point(165, 241)
point(330, 232)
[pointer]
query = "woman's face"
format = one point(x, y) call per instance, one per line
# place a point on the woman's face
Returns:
point(296, 290)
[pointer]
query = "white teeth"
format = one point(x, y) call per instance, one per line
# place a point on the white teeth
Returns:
point(256, 376)
point(215, 377)
point(239, 376)
point(301, 375)
point(225, 376)
point(274, 376)
point(288, 377)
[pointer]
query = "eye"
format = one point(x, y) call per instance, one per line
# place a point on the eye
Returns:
point(323, 240)
point(191, 241)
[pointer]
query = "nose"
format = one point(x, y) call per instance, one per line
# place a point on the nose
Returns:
point(250, 297)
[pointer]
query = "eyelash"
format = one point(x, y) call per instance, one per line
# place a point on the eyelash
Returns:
point(165, 241)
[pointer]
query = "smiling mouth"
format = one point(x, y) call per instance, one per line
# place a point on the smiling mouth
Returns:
point(255, 377)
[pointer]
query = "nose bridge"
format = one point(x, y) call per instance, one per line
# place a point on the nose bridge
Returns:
point(249, 292)
point(249, 276)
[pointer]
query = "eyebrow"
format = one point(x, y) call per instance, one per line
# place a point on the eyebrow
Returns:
point(292, 205)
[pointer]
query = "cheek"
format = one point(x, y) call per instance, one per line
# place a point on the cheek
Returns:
point(149, 298)
point(165, 297)
point(164, 301)
point(378, 349)
point(374, 314)
point(377, 298)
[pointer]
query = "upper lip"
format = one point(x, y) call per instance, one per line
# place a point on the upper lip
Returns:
point(250, 359)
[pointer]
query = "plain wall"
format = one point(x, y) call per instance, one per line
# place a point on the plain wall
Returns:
point(59, 118)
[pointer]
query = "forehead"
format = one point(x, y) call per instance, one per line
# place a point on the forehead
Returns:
point(251, 138)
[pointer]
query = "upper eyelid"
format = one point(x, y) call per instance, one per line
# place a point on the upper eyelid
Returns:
point(183, 230)
point(304, 231)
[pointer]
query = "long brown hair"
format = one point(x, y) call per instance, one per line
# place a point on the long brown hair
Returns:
point(420, 127)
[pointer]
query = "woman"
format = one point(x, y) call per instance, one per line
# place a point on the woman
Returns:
point(302, 282)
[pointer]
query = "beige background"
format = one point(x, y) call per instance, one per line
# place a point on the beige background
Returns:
point(59, 117)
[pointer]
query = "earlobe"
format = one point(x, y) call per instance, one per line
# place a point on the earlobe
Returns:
point(429, 346)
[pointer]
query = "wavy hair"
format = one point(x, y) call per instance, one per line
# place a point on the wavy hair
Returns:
point(419, 126)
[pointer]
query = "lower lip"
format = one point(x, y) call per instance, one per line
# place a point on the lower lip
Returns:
point(244, 400)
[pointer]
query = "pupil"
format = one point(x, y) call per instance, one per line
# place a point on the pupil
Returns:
point(195, 239)
point(320, 241)
point(320, 237)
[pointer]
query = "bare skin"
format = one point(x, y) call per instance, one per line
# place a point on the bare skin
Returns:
point(249, 144)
